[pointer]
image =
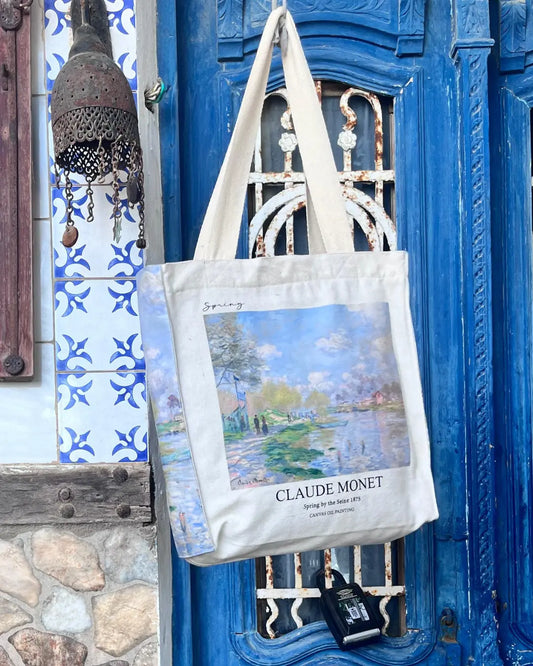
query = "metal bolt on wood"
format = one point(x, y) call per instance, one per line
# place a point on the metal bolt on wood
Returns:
point(65, 494)
point(67, 511)
point(120, 474)
point(123, 511)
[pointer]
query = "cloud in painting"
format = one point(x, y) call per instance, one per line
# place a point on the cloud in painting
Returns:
point(268, 351)
point(336, 342)
point(152, 353)
point(151, 290)
point(320, 381)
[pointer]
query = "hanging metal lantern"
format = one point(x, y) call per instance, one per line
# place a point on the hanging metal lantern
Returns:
point(94, 119)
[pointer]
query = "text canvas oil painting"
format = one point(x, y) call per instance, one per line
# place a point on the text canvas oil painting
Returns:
point(307, 393)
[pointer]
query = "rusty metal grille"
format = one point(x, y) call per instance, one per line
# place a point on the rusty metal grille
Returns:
point(361, 132)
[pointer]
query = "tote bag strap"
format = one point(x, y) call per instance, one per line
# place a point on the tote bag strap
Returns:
point(329, 229)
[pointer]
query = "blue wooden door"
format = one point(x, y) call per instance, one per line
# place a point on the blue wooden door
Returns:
point(428, 59)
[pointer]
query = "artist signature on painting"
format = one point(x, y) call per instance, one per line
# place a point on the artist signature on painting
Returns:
point(251, 481)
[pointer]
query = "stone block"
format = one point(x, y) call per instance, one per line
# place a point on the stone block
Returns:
point(4, 658)
point(65, 611)
point(125, 618)
point(128, 557)
point(67, 558)
point(16, 574)
point(39, 649)
point(12, 616)
point(148, 655)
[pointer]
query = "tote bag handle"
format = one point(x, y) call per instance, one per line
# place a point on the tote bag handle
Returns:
point(329, 229)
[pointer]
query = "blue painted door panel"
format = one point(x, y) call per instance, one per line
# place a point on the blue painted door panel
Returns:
point(511, 102)
point(421, 54)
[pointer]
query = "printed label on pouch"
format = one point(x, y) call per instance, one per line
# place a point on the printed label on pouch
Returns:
point(326, 504)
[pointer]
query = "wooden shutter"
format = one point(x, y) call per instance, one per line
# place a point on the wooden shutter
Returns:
point(16, 316)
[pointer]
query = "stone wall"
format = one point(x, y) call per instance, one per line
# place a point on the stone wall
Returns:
point(79, 597)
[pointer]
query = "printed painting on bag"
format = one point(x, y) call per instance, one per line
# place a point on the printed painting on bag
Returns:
point(307, 393)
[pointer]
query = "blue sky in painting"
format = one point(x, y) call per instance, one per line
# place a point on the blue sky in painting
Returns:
point(339, 350)
point(157, 341)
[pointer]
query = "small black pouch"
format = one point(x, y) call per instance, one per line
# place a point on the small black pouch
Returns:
point(348, 614)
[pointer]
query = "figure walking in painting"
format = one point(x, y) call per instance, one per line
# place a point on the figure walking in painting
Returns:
point(242, 423)
point(264, 426)
point(256, 425)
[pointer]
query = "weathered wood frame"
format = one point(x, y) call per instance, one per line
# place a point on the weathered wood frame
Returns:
point(16, 311)
point(75, 494)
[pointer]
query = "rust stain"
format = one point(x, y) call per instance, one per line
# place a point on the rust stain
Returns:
point(260, 246)
point(269, 572)
point(327, 568)
point(318, 87)
point(347, 112)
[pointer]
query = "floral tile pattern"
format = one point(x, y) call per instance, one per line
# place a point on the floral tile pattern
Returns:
point(102, 417)
point(99, 364)
point(97, 326)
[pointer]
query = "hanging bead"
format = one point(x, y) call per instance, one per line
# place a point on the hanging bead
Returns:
point(70, 236)
point(133, 189)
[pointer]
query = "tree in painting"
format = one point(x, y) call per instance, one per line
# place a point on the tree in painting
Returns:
point(232, 351)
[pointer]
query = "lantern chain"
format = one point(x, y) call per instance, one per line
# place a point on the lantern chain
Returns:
point(141, 240)
point(102, 157)
point(57, 175)
point(137, 167)
point(70, 235)
point(90, 204)
point(69, 197)
point(117, 213)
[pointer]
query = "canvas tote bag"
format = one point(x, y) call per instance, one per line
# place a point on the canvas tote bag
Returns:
point(286, 389)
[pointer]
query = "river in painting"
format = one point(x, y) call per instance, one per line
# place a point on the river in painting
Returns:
point(343, 443)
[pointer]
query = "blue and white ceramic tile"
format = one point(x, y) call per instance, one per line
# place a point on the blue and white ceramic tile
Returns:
point(123, 37)
point(95, 254)
point(102, 417)
point(97, 326)
point(58, 37)
point(29, 414)
point(101, 393)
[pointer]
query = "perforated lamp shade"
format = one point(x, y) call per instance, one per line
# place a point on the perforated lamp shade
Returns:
point(94, 126)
